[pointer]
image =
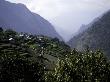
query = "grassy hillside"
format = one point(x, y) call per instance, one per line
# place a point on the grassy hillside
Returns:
point(31, 58)
point(30, 49)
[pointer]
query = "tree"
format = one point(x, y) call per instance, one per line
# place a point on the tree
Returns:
point(16, 61)
point(19, 69)
point(81, 67)
point(1, 29)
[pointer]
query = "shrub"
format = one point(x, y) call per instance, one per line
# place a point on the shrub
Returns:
point(81, 67)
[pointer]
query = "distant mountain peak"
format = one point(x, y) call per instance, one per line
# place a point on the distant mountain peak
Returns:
point(97, 36)
point(19, 18)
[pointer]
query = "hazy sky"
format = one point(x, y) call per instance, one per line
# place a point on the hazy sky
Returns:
point(67, 15)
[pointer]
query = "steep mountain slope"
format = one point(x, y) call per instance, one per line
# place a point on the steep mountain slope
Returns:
point(84, 27)
point(19, 18)
point(28, 57)
point(34, 46)
point(97, 36)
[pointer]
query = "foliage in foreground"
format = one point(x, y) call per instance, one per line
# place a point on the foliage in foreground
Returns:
point(81, 67)
point(23, 58)
point(16, 63)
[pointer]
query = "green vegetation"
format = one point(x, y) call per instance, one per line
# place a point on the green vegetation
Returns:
point(37, 58)
point(81, 67)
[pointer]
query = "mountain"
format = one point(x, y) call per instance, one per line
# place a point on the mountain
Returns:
point(18, 17)
point(26, 58)
point(84, 27)
point(34, 46)
point(81, 29)
point(96, 36)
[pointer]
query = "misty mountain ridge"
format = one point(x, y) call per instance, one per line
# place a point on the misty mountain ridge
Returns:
point(19, 18)
point(96, 36)
point(85, 27)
